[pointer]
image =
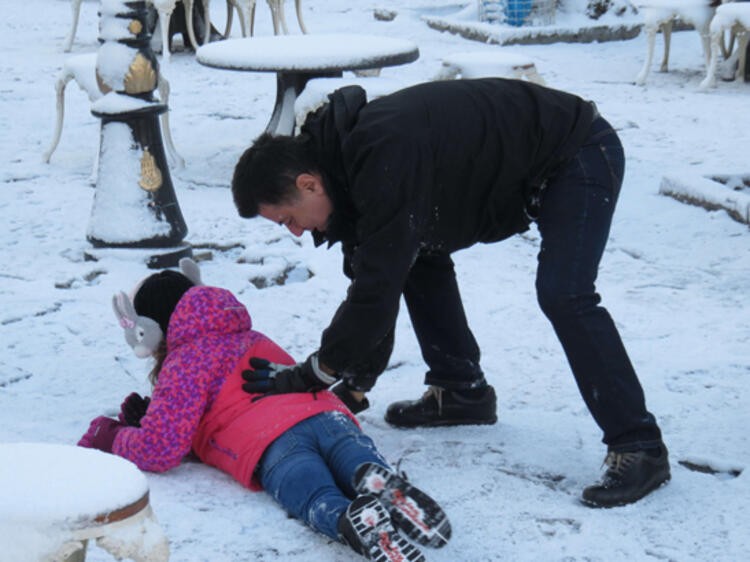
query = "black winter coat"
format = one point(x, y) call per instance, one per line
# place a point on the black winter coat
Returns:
point(436, 167)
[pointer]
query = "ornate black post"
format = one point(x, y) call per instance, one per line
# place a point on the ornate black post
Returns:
point(135, 205)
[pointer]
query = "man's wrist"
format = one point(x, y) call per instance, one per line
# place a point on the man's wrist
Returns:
point(325, 374)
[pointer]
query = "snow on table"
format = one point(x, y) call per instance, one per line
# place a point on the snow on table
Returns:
point(45, 482)
point(308, 52)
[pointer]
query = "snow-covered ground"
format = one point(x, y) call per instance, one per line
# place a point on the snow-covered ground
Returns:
point(676, 279)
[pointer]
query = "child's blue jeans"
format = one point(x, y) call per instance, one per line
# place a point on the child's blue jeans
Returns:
point(310, 469)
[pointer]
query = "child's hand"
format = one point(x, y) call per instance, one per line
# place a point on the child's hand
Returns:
point(101, 434)
point(133, 408)
point(272, 378)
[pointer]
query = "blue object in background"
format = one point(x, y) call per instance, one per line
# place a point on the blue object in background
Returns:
point(516, 11)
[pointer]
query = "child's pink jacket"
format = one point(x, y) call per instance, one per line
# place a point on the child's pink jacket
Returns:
point(198, 401)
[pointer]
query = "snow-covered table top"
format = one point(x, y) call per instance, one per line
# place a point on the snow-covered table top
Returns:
point(308, 53)
point(44, 482)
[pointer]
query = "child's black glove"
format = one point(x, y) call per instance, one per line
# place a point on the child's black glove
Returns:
point(133, 408)
point(273, 378)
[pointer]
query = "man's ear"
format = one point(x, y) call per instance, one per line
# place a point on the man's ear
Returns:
point(312, 183)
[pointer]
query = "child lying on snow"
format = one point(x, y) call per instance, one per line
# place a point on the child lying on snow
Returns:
point(305, 449)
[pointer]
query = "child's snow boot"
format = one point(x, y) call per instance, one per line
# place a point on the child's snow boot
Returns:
point(415, 513)
point(366, 526)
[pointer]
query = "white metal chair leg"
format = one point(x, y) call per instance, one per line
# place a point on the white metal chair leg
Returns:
point(742, 40)
point(246, 14)
point(706, 44)
point(651, 40)
point(60, 84)
point(75, 6)
point(189, 22)
point(666, 29)
point(206, 21)
point(165, 15)
point(726, 51)
point(274, 6)
point(231, 7)
point(177, 160)
point(710, 80)
point(282, 17)
point(298, 7)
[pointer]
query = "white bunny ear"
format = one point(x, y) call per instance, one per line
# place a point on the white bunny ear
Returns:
point(124, 311)
point(191, 270)
point(141, 333)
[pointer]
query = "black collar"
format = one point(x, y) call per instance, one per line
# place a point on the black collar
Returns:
point(343, 220)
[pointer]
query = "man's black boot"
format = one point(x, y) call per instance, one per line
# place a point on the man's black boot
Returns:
point(439, 407)
point(629, 477)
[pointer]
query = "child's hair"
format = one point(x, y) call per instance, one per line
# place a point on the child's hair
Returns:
point(156, 298)
point(159, 356)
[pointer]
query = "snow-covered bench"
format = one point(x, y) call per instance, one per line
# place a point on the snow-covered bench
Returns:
point(735, 18)
point(82, 69)
point(57, 498)
point(661, 14)
point(489, 63)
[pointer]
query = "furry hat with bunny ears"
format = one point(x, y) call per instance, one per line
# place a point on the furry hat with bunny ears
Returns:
point(145, 319)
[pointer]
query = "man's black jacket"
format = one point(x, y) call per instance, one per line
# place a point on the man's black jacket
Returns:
point(433, 168)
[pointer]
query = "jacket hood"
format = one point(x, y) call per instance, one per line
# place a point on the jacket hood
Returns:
point(205, 311)
point(327, 129)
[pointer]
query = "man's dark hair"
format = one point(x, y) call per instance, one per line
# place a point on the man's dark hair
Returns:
point(267, 171)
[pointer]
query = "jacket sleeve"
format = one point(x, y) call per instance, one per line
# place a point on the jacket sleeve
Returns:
point(389, 193)
point(177, 405)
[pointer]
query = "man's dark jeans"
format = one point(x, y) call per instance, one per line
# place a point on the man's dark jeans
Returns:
point(574, 221)
point(437, 314)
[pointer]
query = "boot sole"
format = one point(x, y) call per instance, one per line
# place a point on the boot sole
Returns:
point(372, 517)
point(414, 512)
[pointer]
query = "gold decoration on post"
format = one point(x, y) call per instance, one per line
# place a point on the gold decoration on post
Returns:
point(135, 27)
point(141, 76)
point(104, 88)
point(151, 179)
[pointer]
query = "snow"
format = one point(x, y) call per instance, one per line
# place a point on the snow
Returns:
point(40, 502)
point(698, 13)
point(119, 212)
point(28, 466)
point(114, 64)
point(728, 14)
point(308, 52)
point(703, 189)
point(675, 277)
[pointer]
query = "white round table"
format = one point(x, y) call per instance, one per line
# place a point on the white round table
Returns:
point(55, 498)
point(297, 58)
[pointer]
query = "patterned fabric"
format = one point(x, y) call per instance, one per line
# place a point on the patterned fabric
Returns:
point(209, 338)
point(208, 332)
